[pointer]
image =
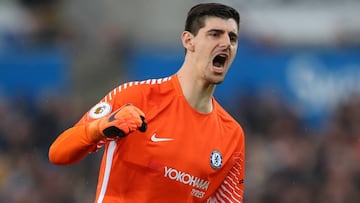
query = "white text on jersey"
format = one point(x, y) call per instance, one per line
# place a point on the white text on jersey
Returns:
point(186, 178)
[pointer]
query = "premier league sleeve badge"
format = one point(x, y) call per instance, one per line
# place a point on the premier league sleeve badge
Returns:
point(100, 110)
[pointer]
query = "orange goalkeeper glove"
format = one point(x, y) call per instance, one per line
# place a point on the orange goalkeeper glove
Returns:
point(120, 123)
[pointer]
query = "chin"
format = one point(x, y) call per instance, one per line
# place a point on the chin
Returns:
point(217, 83)
point(216, 80)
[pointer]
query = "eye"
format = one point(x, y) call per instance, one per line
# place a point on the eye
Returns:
point(233, 38)
point(214, 34)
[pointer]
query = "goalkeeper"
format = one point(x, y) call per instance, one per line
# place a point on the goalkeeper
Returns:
point(168, 139)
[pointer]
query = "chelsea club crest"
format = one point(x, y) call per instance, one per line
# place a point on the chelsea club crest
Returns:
point(215, 159)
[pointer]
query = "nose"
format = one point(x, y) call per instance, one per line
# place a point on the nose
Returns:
point(225, 42)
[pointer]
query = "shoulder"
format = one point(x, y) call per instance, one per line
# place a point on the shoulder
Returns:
point(227, 119)
point(233, 133)
point(223, 114)
point(137, 92)
point(148, 87)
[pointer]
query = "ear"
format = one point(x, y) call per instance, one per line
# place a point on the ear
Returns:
point(187, 40)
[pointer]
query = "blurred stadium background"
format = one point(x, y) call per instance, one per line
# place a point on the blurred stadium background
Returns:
point(295, 88)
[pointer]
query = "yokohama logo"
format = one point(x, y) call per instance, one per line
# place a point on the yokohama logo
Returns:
point(186, 178)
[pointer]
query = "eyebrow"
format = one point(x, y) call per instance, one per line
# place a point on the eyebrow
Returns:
point(232, 34)
point(216, 30)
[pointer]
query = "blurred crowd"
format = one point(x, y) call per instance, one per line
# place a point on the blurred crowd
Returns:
point(26, 132)
point(286, 162)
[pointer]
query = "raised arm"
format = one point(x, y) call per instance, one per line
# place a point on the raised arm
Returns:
point(76, 142)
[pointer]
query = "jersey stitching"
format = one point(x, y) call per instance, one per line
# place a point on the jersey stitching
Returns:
point(126, 85)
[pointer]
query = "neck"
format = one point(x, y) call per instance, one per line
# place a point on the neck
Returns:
point(197, 91)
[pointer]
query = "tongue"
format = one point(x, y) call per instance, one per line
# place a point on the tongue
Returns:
point(217, 64)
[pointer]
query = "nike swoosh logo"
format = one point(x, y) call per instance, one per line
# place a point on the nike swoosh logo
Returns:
point(112, 117)
point(158, 139)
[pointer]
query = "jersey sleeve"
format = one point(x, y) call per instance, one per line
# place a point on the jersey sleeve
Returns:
point(232, 187)
point(75, 143)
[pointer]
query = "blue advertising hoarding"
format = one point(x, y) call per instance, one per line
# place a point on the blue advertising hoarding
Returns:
point(312, 80)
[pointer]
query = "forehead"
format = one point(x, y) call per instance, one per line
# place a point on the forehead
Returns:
point(228, 25)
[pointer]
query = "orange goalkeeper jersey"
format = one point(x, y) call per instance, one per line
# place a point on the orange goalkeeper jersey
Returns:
point(184, 156)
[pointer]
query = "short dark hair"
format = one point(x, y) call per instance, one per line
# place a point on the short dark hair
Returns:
point(198, 13)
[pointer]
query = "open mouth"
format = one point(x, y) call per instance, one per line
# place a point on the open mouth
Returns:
point(220, 60)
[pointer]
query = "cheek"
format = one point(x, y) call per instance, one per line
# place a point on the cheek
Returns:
point(234, 48)
point(204, 53)
point(233, 55)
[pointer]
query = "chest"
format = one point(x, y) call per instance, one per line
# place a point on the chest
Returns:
point(180, 139)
